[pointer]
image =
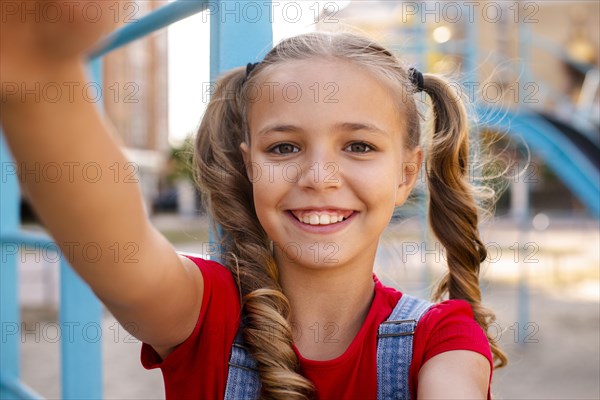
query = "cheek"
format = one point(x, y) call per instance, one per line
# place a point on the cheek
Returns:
point(270, 176)
point(375, 181)
point(263, 207)
point(269, 184)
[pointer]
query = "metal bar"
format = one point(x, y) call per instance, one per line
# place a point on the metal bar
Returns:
point(81, 351)
point(421, 44)
point(12, 388)
point(163, 17)
point(235, 39)
point(234, 42)
point(22, 238)
point(471, 49)
point(523, 212)
point(10, 317)
point(80, 319)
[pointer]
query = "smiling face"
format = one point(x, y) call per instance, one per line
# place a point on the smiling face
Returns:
point(327, 162)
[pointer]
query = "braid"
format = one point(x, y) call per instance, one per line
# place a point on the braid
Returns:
point(452, 207)
point(245, 247)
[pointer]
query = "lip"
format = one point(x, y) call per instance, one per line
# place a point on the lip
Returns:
point(331, 228)
point(321, 208)
point(321, 211)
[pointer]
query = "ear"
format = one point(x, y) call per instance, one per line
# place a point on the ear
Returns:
point(246, 156)
point(409, 174)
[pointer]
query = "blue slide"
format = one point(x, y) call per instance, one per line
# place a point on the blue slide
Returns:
point(570, 154)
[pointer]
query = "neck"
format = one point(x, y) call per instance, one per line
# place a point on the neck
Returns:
point(328, 305)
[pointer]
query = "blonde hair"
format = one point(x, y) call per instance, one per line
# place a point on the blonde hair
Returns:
point(245, 246)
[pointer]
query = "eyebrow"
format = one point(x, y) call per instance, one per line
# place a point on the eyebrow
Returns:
point(360, 126)
point(278, 128)
point(343, 126)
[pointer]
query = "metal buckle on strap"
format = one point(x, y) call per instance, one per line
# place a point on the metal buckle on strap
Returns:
point(395, 334)
point(239, 346)
point(397, 322)
point(242, 367)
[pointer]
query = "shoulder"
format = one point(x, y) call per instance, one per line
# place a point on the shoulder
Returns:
point(448, 335)
point(449, 309)
point(206, 266)
point(450, 325)
point(218, 316)
point(455, 374)
point(220, 289)
point(212, 271)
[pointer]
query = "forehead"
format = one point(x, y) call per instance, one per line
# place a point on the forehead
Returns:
point(320, 92)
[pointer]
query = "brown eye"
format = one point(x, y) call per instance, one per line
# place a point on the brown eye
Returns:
point(359, 147)
point(284, 148)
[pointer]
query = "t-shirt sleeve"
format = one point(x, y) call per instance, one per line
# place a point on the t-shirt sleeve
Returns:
point(206, 351)
point(447, 326)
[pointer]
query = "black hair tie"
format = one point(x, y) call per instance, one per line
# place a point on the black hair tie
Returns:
point(249, 68)
point(416, 78)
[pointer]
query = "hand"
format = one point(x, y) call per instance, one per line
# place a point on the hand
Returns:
point(38, 38)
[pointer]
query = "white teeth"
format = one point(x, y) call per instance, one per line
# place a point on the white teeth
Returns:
point(323, 219)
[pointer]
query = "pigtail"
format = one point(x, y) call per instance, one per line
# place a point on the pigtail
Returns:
point(453, 211)
point(245, 247)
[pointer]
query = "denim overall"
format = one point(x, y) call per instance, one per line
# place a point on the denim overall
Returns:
point(394, 355)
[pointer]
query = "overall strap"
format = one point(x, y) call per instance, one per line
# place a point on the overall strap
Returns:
point(394, 348)
point(243, 380)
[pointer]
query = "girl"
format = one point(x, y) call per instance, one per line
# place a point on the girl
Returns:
point(302, 159)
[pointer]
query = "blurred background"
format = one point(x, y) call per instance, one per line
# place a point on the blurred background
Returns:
point(529, 72)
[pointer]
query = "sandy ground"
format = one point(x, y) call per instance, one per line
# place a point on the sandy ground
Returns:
point(554, 352)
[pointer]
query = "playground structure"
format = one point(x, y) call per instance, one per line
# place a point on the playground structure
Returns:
point(571, 148)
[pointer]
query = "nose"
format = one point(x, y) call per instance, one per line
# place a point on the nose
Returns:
point(321, 171)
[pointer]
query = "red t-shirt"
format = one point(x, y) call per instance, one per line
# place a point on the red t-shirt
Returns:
point(198, 368)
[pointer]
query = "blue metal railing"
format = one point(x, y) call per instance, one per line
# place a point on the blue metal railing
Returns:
point(79, 311)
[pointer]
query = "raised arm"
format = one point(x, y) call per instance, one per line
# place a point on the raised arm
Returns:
point(90, 205)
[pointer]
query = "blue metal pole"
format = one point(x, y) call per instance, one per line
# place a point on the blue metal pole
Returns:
point(525, 39)
point(237, 38)
point(471, 51)
point(10, 318)
point(522, 219)
point(12, 388)
point(81, 340)
point(154, 21)
point(81, 323)
point(422, 41)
